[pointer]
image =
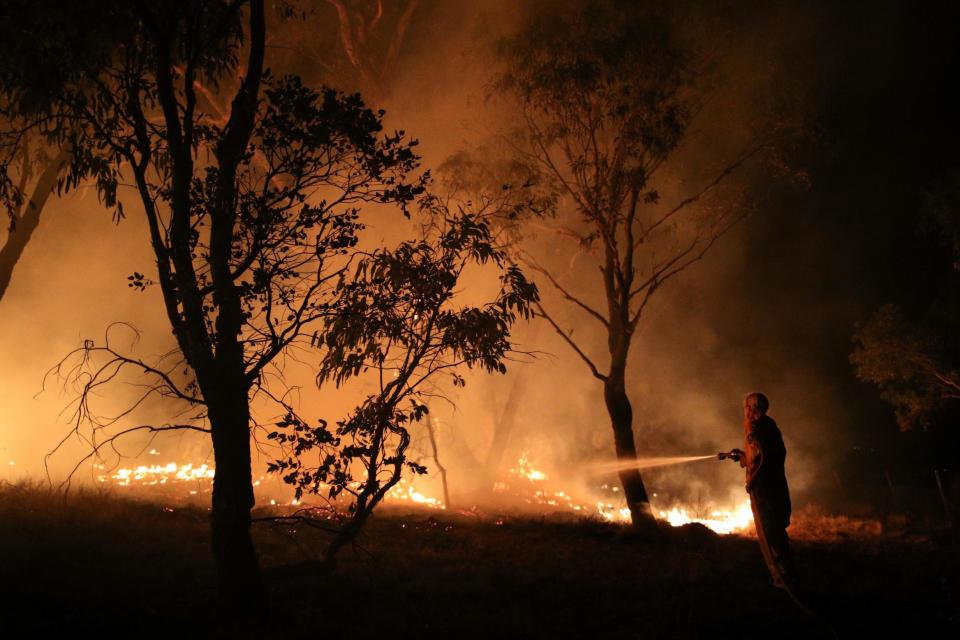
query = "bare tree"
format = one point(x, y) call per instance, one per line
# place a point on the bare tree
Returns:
point(606, 95)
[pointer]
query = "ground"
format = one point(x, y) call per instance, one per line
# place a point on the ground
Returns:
point(94, 565)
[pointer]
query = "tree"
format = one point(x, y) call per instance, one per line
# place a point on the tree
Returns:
point(25, 206)
point(607, 93)
point(397, 316)
point(254, 220)
point(915, 360)
point(910, 364)
point(363, 29)
point(250, 220)
point(30, 169)
point(507, 193)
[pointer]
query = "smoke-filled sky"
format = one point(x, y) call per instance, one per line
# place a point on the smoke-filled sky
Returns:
point(771, 308)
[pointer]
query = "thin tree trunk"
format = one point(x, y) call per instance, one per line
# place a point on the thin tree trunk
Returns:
point(503, 428)
point(621, 419)
point(436, 460)
point(27, 223)
point(240, 582)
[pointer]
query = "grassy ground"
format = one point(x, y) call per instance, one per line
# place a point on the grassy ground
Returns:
point(99, 566)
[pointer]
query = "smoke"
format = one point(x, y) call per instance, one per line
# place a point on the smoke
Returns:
point(711, 336)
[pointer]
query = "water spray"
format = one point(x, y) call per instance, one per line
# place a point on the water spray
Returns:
point(644, 463)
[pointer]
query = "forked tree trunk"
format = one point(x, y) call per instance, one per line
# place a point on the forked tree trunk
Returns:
point(240, 582)
point(621, 419)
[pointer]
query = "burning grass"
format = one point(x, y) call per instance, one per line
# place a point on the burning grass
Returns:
point(525, 488)
point(97, 564)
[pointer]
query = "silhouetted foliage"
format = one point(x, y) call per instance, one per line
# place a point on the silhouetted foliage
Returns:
point(915, 359)
point(909, 364)
point(396, 316)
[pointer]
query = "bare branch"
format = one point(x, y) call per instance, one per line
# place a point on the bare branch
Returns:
point(720, 177)
point(530, 262)
point(111, 442)
point(573, 345)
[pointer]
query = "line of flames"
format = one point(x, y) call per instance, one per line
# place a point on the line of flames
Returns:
point(721, 521)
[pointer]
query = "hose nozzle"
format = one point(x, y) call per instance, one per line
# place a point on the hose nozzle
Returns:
point(734, 454)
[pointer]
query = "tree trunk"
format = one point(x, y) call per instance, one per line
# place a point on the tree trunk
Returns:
point(503, 428)
point(27, 223)
point(621, 419)
point(241, 586)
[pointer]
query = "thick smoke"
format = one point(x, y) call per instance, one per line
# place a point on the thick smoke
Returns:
point(705, 342)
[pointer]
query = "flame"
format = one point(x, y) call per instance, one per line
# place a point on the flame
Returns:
point(612, 513)
point(525, 468)
point(160, 474)
point(721, 521)
point(411, 494)
point(533, 489)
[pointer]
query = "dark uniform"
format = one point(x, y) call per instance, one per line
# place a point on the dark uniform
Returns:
point(764, 459)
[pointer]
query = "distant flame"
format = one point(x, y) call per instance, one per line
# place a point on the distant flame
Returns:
point(525, 469)
point(160, 474)
point(411, 494)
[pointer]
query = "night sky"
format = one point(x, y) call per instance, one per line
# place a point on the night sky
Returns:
point(826, 257)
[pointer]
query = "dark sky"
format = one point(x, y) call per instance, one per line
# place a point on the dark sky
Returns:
point(825, 258)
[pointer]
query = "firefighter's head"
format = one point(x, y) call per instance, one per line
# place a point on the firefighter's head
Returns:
point(755, 406)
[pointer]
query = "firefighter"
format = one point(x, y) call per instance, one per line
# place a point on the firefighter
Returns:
point(766, 482)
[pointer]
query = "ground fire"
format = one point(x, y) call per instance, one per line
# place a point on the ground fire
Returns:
point(523, 484)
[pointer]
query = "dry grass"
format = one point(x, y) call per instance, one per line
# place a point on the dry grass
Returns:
point(96, 565)
point(813, 524)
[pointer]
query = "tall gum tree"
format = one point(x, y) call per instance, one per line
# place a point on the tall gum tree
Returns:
point(606, 94)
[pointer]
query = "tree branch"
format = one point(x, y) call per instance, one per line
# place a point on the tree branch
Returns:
point(573, 345)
